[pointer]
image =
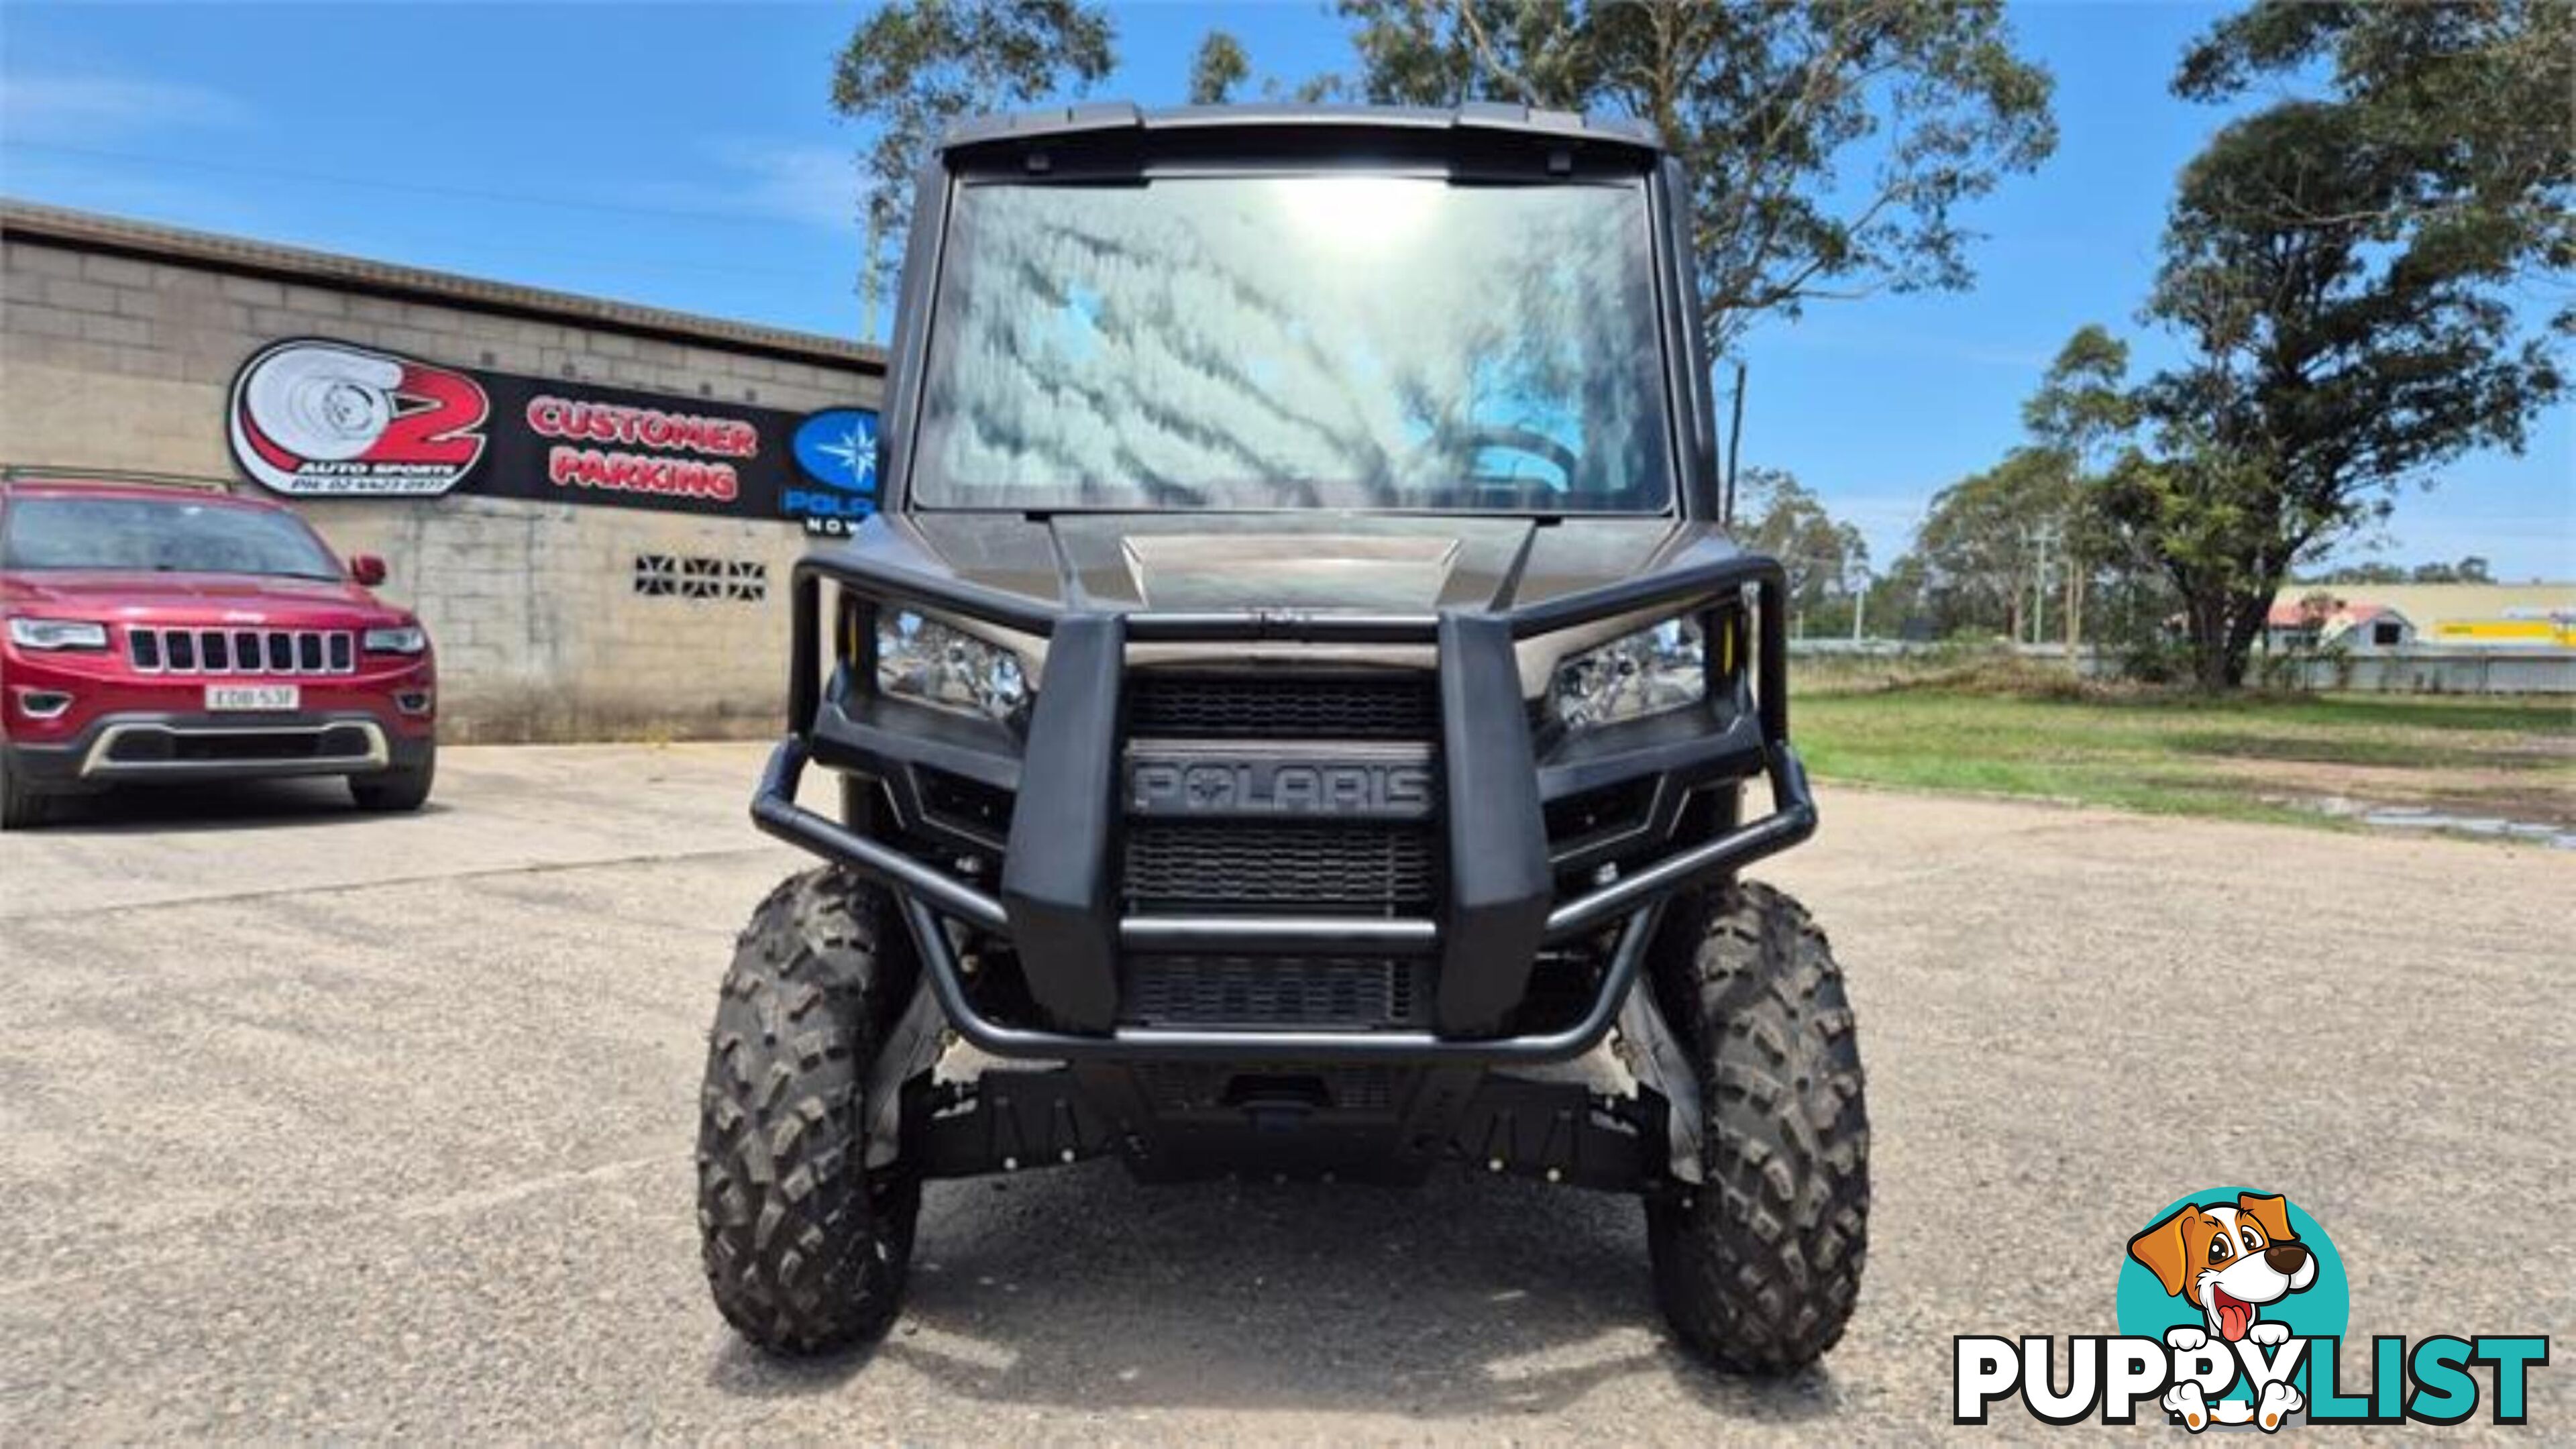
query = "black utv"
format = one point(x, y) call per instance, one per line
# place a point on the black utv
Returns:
point(1292, 708)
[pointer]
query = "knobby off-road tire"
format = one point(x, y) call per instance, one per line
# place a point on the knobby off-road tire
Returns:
point(396, 790)
point(806, 1249)
point(1758, 1266)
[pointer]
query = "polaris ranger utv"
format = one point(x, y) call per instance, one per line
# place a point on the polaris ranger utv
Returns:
point(1293, 707)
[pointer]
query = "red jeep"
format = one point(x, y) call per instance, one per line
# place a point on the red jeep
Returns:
point(151, 632)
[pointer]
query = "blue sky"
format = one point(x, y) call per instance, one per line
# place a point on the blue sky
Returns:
point(685, 157)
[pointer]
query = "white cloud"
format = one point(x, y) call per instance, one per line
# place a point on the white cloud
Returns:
point(811, 185)
point(78, 109)
point(816, 184)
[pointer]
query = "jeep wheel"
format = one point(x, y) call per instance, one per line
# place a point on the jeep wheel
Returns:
point(805, 1248)
point(20, 807)
point(396, 790)
point(1758, 1265)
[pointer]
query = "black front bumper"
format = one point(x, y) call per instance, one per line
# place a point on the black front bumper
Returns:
point(1057, 901)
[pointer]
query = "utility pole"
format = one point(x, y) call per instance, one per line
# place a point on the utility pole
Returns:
point(871, 281)
point(2077, 571)
point(1734, 438)
point(2039, 540)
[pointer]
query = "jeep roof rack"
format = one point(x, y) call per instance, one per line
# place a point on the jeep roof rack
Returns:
point(68, 473)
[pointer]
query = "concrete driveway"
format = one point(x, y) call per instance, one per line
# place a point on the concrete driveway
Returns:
point(318, 1125)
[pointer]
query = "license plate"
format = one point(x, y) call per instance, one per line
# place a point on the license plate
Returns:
point(253, 696)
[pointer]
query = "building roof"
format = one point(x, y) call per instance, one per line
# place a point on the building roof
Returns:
point(151, 241)
point(2290, 613)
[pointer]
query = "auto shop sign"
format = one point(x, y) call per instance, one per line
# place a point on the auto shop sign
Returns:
point(316, 418)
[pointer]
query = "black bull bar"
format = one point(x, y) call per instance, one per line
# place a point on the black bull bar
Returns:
point(1057, 897)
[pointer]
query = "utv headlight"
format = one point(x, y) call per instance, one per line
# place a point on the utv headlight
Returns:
point(57, 634)
point(402, 639)
point(922, 659)
point(1648, 672)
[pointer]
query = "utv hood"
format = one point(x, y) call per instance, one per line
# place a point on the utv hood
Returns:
point(1194, 562)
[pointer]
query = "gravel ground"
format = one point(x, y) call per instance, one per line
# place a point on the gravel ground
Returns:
point(321, 1126)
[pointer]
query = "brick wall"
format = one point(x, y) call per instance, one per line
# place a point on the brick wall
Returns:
point(123, 362)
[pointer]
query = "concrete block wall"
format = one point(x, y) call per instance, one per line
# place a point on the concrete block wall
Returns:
point(124, 362)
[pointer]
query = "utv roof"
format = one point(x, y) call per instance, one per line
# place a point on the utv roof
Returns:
point(1105, 120)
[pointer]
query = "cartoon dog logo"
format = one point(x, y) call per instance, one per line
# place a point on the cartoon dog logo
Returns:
point(2228, 1261)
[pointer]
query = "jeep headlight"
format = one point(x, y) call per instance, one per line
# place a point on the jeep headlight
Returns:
point(937, 664)
point(57, 634)
point(1648, 672)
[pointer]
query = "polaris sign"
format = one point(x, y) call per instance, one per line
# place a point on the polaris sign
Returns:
point(836, 464)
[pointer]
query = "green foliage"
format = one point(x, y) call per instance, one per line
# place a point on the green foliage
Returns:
point(912, 68)
point(1823, 558)
point(1831, 146)
point(1979, 544)
point(1221, 66)
point(1768, 106)
point(2083, 404)
point(1990, 727)
point(2029, 536)
point(2341, 269)
point(2470, 570)
point(2470, 98)
point(1217, 69)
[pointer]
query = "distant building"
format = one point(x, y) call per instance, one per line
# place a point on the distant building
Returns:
point(593, 505)
point(2318, 620)
point(2363, 617)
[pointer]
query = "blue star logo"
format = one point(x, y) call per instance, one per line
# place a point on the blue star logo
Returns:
point(838, 448)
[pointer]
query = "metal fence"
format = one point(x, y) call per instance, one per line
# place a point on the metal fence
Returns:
point(2408, 669)
point(2420, 669)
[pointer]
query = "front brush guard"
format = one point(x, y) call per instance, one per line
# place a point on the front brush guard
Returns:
point(1057, 896)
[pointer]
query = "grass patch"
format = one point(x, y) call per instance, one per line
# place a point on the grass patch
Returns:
point(2256, 757)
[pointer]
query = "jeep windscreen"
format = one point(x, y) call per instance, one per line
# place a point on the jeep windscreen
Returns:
point(1273, 341)
point(152, 535)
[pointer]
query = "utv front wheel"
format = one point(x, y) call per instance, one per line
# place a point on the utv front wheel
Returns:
point(805, 1247)
point(1758, 1265)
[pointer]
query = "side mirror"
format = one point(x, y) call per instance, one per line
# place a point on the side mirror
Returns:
point(366, 570)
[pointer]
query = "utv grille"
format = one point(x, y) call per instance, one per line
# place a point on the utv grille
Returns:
point(1403, 706)
point(1331, 993)
point(1191, 867)
point(241, 651)
point(1299, 866)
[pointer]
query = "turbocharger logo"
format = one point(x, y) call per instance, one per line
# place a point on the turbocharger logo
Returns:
point(323, 419)
point(2232, 1308)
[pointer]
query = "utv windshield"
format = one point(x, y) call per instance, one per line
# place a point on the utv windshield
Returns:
point(1296, 341)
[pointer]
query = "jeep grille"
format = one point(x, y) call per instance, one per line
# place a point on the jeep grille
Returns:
point(241, 651)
